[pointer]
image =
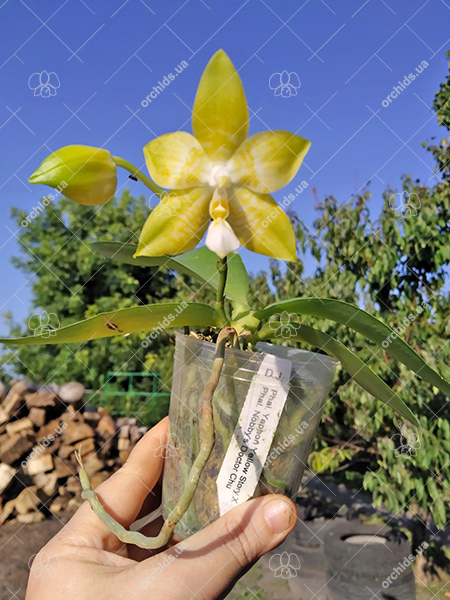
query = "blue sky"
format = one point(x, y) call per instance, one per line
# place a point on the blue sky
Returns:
point(108, 56)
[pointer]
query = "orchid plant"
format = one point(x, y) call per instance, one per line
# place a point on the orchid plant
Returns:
point(216, 182)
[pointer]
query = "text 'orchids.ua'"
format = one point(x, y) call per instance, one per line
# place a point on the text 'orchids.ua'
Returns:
point(222, 362)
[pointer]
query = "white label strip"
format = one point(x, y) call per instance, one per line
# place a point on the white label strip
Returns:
point(254, 433)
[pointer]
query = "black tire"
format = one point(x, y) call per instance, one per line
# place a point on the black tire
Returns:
point(347, 588)
point(309, 534)
point(357, 571)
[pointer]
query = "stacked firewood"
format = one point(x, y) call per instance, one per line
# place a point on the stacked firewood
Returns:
point(41, 427)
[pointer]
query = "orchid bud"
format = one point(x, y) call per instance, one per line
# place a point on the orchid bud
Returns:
point(87, 175)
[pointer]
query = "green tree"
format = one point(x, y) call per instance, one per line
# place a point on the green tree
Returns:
point(441, 105)
point(71, 282)
point(394, 266)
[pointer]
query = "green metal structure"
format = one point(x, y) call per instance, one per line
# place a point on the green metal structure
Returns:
point(148, 406)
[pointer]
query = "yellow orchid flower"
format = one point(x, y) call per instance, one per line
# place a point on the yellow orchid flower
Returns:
point(220, 174)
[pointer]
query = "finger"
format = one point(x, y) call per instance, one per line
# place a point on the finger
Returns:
point(124, 493)
point(211, 559)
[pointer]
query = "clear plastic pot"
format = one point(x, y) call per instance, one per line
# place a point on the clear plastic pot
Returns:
point(310, 382)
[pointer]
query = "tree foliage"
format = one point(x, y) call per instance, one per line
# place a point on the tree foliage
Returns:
point(71, 282)
point(394, 266)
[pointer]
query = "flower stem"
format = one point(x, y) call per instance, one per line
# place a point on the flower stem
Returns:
point(121, 162)
point(222, 267)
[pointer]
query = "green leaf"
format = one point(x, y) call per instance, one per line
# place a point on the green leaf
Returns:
point(360, 372)
point(361, 321)
point(439, 513)
point(200, 264)
point(126, 320)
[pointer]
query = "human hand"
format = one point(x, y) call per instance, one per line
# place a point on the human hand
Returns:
point(85, 561)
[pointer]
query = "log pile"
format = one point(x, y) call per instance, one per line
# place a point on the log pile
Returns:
point(40, 429)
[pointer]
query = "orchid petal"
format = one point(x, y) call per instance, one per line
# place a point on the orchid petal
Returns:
point(176, 160)
point(177, 224)
point(221, 238)
point(268, 161)
point(220, 117)
point(261, 225)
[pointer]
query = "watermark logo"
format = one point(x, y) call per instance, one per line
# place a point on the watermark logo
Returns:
point(165, 82)
point(163, 324)
point(44, 324)
point(285, 565)
point(46, 200)
point(163, 564)
point(286, 444)
point(170, 204)
point(44, 565)
point(399, 330)
point(285, 84)
point(164, 445)
point(284, 204)
point(284, 324)
point(405, 204)
point(405, 443)
point(41, 447)
point(403, 565)
point(44, 84)
point(403, 84)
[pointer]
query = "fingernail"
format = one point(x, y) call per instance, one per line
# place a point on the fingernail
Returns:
point(279, 515)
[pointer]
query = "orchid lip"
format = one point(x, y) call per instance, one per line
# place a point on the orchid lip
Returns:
point(221, 238)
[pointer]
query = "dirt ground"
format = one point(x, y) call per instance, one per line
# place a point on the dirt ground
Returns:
point(19, 543)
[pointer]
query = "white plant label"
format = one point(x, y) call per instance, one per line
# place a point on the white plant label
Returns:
point(254, 433)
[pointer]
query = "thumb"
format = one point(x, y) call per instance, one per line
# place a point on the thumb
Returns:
point(212, 558)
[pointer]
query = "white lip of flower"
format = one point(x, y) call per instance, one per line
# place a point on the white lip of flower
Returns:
point(220, 238)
